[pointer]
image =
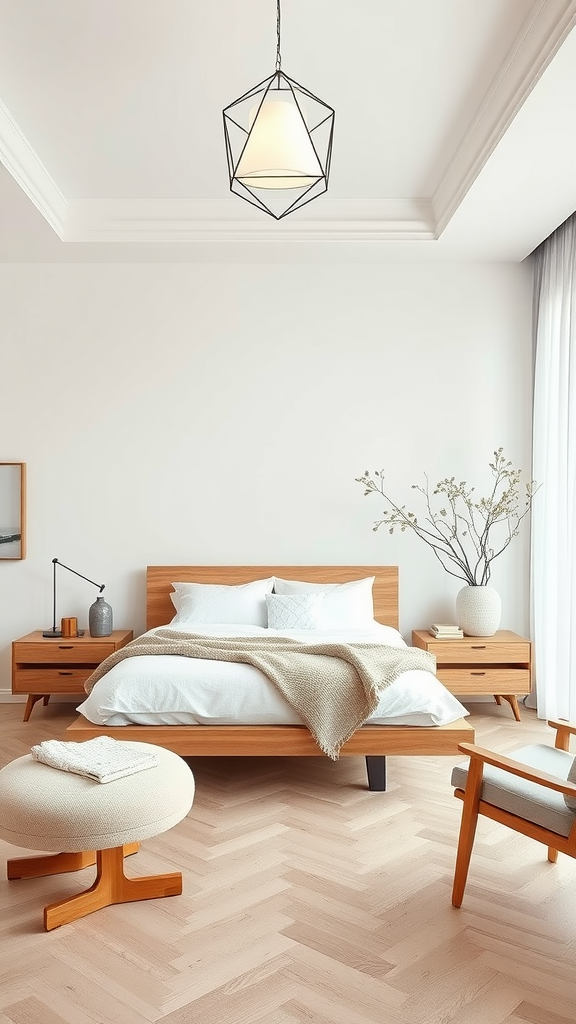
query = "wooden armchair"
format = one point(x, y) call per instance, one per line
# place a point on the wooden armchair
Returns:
point(525, 792)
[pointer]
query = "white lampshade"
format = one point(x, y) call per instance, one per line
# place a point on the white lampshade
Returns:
point(278, 152)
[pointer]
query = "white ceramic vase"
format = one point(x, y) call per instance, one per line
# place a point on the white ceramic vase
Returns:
point(478, 610)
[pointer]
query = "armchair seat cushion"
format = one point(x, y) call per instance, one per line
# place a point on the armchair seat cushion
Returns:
point(526, 799)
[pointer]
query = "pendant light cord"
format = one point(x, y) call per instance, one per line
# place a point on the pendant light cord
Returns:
point(278, 56)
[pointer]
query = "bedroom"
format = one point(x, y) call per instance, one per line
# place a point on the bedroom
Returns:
point(212, 402)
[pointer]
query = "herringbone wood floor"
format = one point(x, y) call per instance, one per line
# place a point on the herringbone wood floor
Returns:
point(306, 899)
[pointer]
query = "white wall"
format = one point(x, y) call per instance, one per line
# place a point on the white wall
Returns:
point(219, 414)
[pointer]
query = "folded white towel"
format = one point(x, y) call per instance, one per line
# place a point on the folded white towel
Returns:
point(101, 759)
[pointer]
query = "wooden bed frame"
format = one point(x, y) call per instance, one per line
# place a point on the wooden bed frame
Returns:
point(372, 742)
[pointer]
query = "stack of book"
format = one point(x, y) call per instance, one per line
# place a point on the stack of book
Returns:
point(445, 631)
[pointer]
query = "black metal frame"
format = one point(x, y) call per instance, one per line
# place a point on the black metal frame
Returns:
point(279, 82)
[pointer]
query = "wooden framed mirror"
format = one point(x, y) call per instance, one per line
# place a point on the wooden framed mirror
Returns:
point(12, 510)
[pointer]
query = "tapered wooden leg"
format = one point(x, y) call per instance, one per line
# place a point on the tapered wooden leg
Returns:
point(56, 863)
point(111, 886)
point(32, 699)
point(552, 855)
point(498, 699)
point(467, 829)
point(513, 702)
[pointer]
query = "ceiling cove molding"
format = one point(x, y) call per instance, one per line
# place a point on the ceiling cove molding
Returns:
point(544, 30)
point(29, 172)
point(152, 220)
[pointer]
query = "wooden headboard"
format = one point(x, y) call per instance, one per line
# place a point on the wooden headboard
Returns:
point(160, 610)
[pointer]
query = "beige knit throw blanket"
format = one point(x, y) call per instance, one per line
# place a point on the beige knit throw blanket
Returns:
point(333, 687)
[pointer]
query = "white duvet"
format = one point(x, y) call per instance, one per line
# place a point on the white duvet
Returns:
point(174, 690)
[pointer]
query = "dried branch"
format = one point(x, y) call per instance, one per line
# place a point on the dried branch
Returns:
point(460, 531)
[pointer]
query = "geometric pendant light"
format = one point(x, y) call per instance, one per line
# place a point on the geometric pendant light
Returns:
point(278, 142)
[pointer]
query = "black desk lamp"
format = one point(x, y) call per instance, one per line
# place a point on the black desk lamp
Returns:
point(55, 633)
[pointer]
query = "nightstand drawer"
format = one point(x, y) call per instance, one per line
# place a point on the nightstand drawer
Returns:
point(460, 652)
point(54, 652)
point(52, 680)
point(488, 680)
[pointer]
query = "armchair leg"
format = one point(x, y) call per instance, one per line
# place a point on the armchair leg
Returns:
point(467, 829)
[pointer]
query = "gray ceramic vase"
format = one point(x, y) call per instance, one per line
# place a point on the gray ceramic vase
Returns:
point(100, 617)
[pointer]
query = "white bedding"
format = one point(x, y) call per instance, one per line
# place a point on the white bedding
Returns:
point(174, 690)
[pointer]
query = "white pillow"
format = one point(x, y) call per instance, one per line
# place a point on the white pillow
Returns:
point(206, 602)
point(294, 611)
point(345, 605)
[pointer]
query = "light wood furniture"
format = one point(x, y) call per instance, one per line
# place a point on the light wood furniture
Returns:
point(473, 804)
point(282, 740)
point(500, 665)
point(79, 822)
point(41, 667)
point(373, 742)
point(111, 884)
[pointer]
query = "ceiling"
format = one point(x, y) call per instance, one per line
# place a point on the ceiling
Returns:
point(454, 132)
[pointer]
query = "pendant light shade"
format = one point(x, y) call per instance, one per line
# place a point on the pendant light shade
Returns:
point(278, 151)
point(278, 143)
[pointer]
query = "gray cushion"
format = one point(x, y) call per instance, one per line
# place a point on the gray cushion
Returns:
point(570, 801)
point(527, 799)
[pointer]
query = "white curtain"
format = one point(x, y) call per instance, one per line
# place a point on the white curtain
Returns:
point(553, 577)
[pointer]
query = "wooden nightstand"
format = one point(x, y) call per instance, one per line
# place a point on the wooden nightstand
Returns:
point(499, 664)
point(43, 666)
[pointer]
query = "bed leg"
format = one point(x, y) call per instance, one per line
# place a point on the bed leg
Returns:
point(376, 771)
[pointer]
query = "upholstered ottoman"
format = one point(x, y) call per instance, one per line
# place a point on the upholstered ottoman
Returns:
point(43, 808)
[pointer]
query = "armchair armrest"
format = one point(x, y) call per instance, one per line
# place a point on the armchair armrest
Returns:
point(564, 730)
point(524, 771)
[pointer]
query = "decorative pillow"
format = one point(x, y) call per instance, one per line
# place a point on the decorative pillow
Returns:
point(345, 605)
point(294, 611)
point(570, 801)
point(205, 602)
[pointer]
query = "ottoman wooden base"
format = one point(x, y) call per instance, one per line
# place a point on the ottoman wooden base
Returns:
point(56, 863)
point(111, 885)
point(51, 810)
